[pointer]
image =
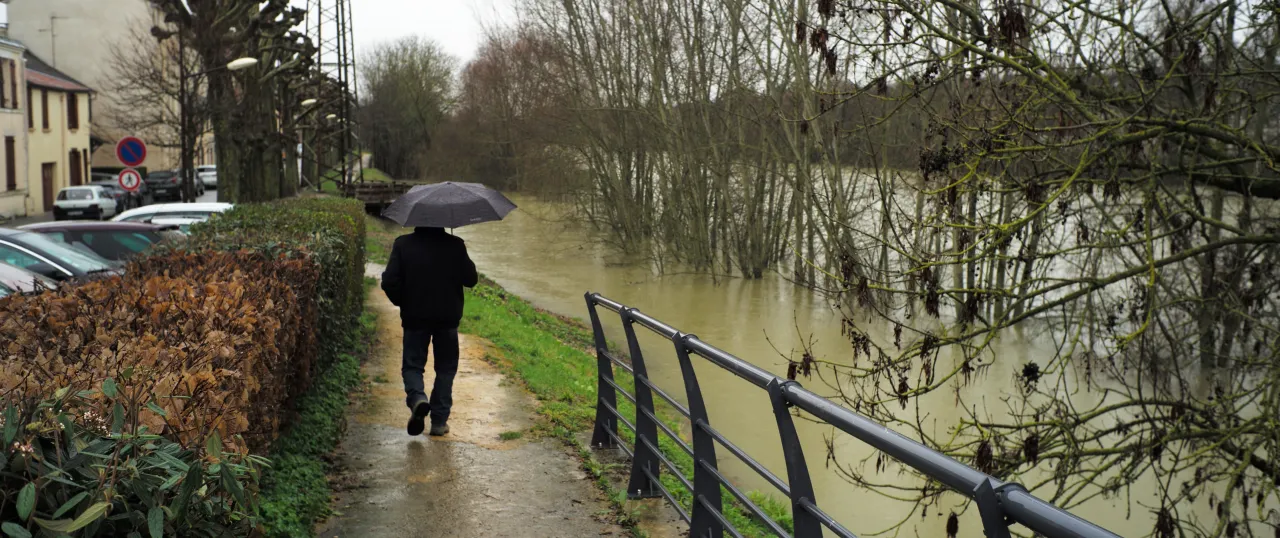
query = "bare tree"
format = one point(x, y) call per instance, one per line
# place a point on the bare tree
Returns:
point(1098, 178)
point(408, 90)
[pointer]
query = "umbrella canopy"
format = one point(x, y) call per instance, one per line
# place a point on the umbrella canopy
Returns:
point(448, 205)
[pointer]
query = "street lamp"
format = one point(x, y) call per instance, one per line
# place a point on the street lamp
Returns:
point(310, 102)
point(242, 63)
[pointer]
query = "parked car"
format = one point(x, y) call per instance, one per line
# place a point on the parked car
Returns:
point(137, 198)
point(16, 280)
point(152, 213)
point(50, 258)
point(123, 198)
point(115, 241)
point(164, 185)
point(208, 176)
point(183, 224)
point(86, 202)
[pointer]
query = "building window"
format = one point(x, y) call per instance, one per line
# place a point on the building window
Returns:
point(4, 96)
point(75, 168)
point(73, 111)
point(44, 108)
point(13, 83)
point(85, 154)
point(10, 164)
point(31, 110)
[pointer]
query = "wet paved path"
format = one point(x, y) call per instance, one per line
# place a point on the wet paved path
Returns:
point(470, 483)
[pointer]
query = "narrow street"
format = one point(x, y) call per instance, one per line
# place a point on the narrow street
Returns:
point(208, 196)
point(469, 483)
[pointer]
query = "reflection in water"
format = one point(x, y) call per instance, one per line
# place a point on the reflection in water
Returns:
point(541, 257)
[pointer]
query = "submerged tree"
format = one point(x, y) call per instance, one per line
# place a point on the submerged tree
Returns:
point(1097, 178)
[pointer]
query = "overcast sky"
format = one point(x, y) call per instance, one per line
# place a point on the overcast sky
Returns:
point(457, 25)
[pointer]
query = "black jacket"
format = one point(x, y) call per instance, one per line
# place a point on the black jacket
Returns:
point(425, 277)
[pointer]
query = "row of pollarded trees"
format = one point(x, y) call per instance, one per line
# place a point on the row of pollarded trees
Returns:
point(255, 115)
point(1102, 176)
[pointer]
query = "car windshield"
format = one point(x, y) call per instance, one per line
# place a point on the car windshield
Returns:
point(83, 261)
point(75, 194)
point(119, 245)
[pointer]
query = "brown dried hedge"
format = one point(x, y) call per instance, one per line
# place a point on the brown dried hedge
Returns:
point(196, 342)
point(222, 336)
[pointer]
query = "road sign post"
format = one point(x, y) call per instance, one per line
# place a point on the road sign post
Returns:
point(129, 179)
point(131, 151)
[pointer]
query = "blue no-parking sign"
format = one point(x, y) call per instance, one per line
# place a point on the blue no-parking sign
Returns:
point(131, 151)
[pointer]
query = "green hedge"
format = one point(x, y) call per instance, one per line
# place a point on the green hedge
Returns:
point(295, 490)
point(331, 230)
point(90, 450)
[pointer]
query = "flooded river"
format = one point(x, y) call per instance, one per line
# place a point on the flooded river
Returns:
point(540, 257)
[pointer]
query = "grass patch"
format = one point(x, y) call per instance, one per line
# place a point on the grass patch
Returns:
point(378, 239)
point(297, 492)
point(510, 436)
point(549, 354)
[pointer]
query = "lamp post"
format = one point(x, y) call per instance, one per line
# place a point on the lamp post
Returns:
point(184, 121)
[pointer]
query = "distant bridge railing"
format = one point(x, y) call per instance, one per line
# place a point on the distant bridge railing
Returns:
point(1000, 504)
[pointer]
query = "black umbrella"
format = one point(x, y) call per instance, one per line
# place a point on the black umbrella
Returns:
point(448, 205)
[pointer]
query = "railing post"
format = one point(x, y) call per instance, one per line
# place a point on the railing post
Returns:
point(703, 524)
point(606, 423)
point(805, 524)
point(644, 459)
point(987, 497)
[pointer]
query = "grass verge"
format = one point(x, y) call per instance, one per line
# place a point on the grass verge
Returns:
point(549, 354)
point(297, 494)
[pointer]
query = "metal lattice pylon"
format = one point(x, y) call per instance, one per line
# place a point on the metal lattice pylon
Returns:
point(333, 143)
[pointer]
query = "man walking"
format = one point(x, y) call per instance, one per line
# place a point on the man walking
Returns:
point(425, 277)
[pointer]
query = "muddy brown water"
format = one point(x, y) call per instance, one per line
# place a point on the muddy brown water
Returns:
point(545, 258)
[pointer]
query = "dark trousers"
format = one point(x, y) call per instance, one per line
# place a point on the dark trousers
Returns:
point(444, 340)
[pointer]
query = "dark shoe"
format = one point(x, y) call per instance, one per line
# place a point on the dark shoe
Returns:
point(439, 429)
point(417, 422)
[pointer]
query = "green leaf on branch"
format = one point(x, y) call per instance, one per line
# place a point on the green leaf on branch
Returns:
point(14, 530)
point(155, 521)
point(71, 525)
point(70, 504)
point(26, 501)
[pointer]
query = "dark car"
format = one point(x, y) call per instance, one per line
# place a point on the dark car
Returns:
point(49, 257)
point(165, 185)
point(137, 198)
point(16, 280)
point(115, 241)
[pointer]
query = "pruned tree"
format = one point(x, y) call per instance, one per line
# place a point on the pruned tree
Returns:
point(245, 107)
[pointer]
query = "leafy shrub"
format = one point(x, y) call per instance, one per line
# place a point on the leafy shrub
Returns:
point(329, 231)
point(123, 392)
point(76, 472)
point(211, 342)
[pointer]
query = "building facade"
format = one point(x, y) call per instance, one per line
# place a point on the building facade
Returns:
point(83, 39)
point(13, 130)
point(58, 138)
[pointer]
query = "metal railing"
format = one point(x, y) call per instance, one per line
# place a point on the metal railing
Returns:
point(1000, 504)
